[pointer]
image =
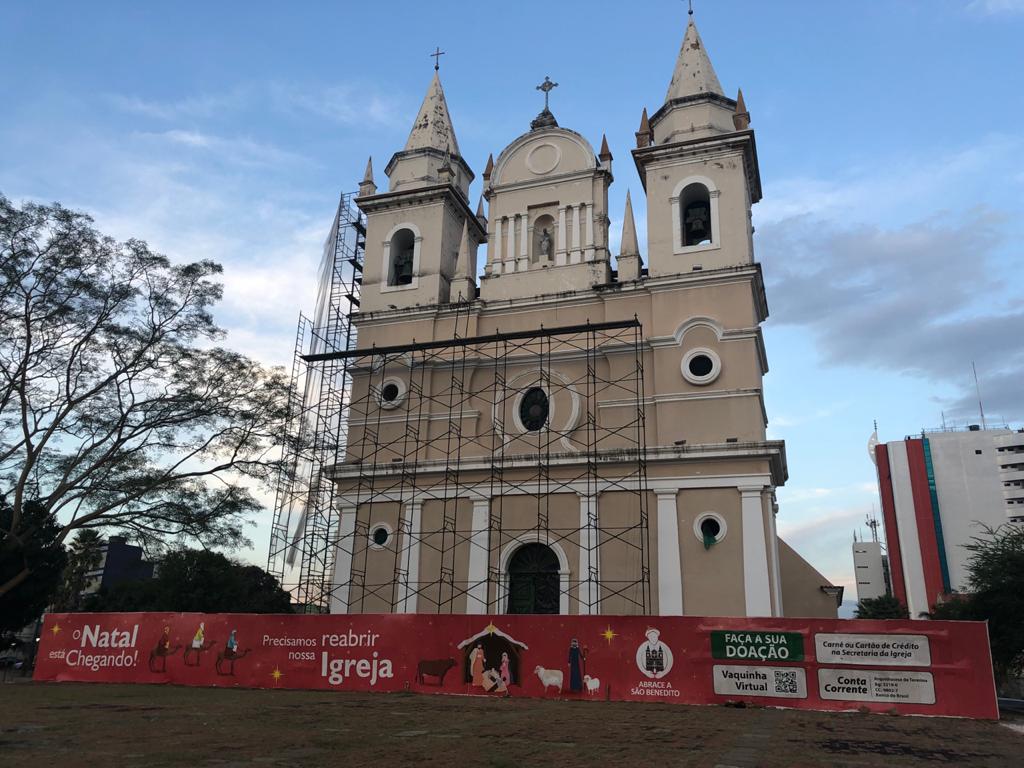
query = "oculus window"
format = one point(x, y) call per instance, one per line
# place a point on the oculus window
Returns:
point(534, 409)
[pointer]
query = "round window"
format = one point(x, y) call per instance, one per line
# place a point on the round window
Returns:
point(701, 365)
point(709, 528)
point(391, 393)
point(379, 536)
point(534, 409)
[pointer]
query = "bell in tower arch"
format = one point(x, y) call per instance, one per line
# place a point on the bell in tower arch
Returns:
point(696, 215)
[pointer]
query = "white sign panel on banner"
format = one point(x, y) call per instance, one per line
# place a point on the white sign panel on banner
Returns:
point(899, 687)
point(778, 682)
point(862, 649)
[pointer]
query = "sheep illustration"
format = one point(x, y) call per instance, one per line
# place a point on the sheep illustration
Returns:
point(550, 677)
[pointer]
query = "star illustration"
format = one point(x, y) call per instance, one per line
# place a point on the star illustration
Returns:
point(490, 629)
point(609, 635)
point(55, 628)
point(277, 675)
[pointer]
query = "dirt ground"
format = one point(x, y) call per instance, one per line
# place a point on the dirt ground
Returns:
point(69, 724)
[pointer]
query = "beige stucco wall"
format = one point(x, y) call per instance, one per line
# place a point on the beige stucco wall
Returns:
point(801, 587)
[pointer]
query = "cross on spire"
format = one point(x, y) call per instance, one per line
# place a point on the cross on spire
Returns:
point(437, 54)
point(546, 86)
point(691, 7)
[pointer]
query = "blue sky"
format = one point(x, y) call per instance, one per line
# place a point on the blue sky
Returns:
point(889, 137)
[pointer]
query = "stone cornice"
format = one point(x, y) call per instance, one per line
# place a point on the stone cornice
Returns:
point(772, 450)
point(739, 140)
point(420, 196)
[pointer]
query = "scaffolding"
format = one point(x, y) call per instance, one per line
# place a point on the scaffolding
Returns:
point(301, 527)
point(471, 446)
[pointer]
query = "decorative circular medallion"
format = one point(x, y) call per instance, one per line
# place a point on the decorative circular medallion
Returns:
point(543, 158)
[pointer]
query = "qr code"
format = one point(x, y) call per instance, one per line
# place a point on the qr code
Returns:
point(786, 681)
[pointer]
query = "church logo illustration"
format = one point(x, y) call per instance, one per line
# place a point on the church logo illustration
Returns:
point(653, 657)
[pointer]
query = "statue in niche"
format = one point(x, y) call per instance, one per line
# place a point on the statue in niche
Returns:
point(545, 244)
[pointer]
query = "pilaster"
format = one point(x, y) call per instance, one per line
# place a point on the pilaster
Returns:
point(410, 557)
point(476, 597)
point(756, 577)
point(590, 576)
point(341, 586)
point(670, 566)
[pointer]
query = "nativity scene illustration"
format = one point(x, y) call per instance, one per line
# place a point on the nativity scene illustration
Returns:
point(491, 660)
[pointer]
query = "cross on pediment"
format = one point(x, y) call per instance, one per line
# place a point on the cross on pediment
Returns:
point(547, 87)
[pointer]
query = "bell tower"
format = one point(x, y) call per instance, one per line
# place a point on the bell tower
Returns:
point(415, 231)
point(698, 163)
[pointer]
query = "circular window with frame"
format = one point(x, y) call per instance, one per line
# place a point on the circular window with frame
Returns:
point(534, 409)
point(709, 528)
point(380, 535)
point(701, 366)
point(391, 393)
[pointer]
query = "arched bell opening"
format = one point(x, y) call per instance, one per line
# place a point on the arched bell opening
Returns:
point(695, 212)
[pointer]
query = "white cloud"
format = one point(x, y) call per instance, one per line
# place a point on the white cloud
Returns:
point(192, 107)
point(239, 150)
point(994, 7)
point(891, 186)
point(344, 104)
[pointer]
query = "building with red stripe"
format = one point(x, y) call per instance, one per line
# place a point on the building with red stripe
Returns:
point(937, 492)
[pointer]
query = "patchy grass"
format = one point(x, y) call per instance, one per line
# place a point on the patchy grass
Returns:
point(146, 725)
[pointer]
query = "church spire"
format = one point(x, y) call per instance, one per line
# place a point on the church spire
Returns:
point(433, 127)
point(462, 285)
point(741, 117)
point(629, 246)
point(693, 74)
point(367, 185)
point(629, 261)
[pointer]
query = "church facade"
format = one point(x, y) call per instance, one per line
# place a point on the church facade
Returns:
point(566, 430)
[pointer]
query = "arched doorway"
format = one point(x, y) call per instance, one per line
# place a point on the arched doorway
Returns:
point(533, 580)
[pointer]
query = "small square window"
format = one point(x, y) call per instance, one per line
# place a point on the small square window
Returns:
point(978, 452)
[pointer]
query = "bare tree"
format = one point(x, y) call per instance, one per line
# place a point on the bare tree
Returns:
point(117, 407)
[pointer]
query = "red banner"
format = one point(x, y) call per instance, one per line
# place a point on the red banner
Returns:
point(911, 667)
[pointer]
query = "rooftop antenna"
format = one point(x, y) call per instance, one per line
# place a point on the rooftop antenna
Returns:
point(977, 387)
point(437, 54)
point(872, 523)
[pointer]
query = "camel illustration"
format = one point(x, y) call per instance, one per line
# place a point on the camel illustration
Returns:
point(229, 656)
point(198, 651)
point(162, 650)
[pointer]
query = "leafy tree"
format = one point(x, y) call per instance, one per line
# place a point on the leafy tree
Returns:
point(198, 580)
point(117, 409)
point(995, 594)
point(884, 607)
point(85, 555)
point(34, 548)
